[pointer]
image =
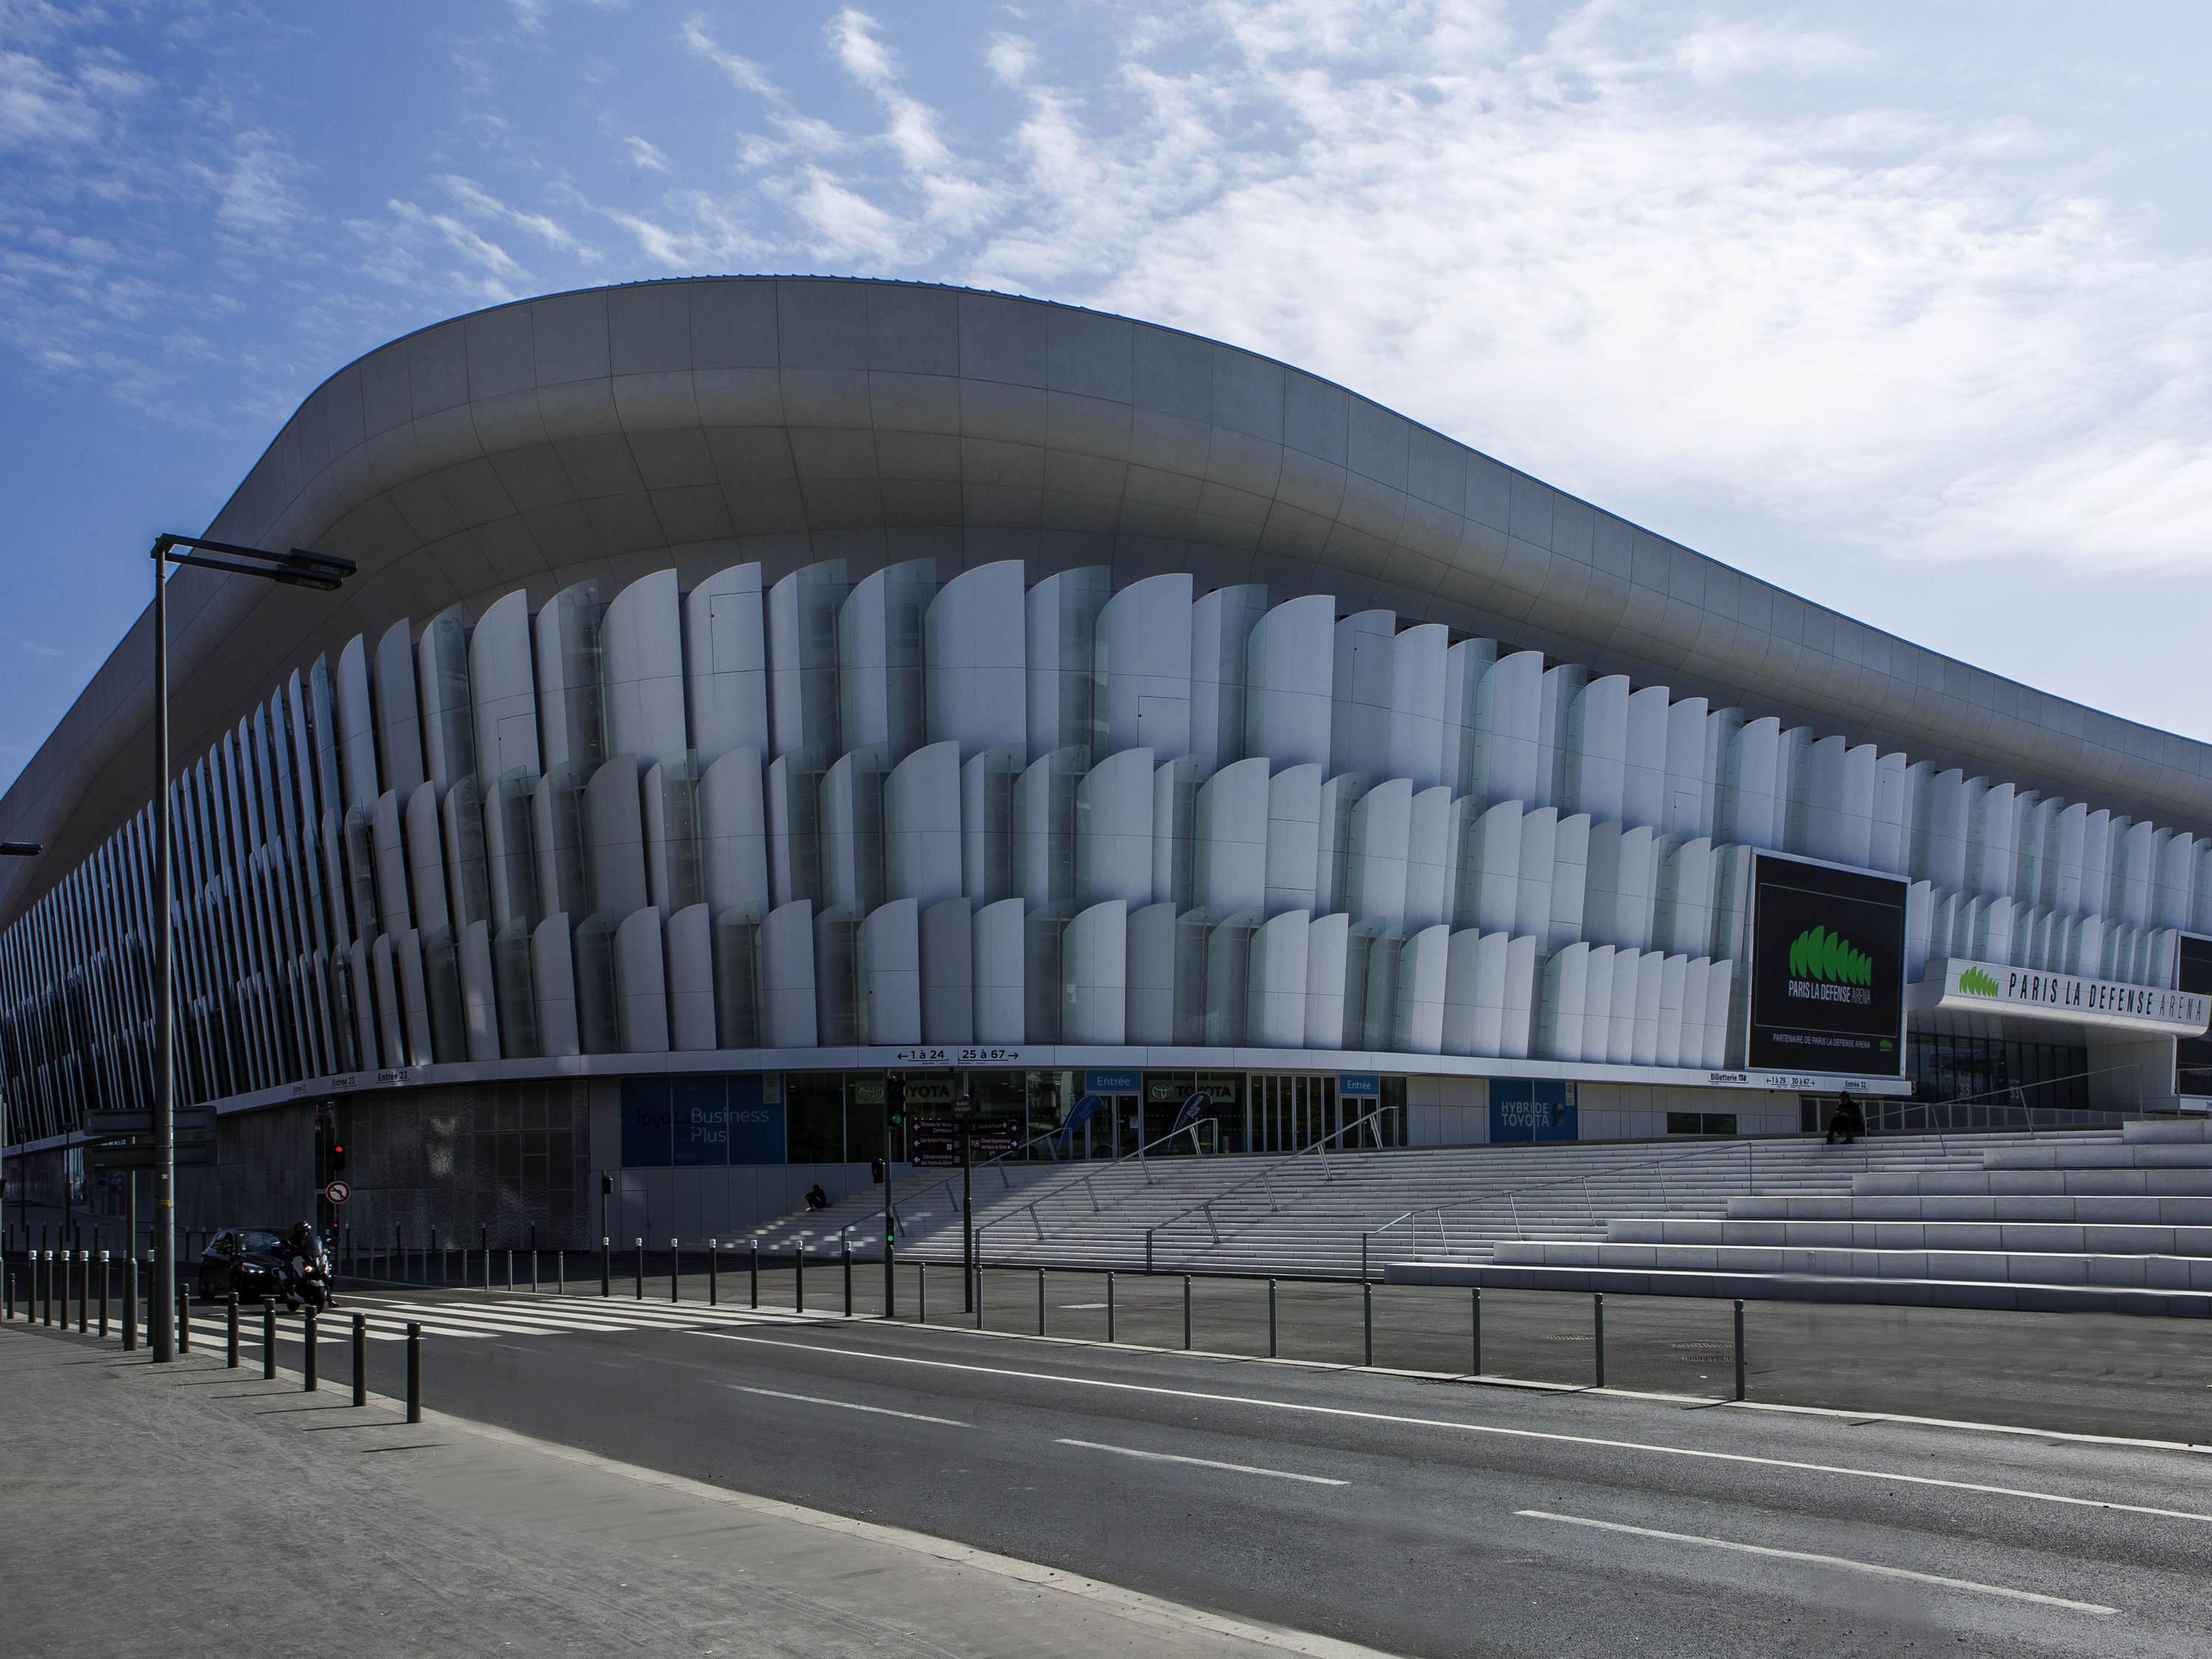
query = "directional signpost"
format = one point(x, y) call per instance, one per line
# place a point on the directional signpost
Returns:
point(938, 1141)
point(125, 1140)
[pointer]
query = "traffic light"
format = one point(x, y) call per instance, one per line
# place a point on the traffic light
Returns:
point(895, 1100)
point(337, 1160)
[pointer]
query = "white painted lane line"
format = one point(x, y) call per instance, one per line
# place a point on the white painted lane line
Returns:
point(1844, 1562)
point(1203, 1462)
point(481, 1319)
point(852, 1405)
point(1699, 1453)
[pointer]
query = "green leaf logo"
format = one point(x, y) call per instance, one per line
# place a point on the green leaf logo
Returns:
point(1975, 983)
point(1822, 955)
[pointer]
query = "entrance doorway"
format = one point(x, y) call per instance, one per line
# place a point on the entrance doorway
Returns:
point(1291, 1110)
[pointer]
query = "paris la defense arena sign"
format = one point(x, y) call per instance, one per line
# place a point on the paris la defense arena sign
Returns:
point(1960, 985)
point(1827, 972)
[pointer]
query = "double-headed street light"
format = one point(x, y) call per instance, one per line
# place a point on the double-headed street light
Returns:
point(297, 568)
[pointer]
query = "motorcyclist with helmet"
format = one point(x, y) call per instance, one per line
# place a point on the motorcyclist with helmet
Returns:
point(302, 1256)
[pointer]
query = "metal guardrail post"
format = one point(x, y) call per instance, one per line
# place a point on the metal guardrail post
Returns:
point(1475, 1323)
point(1597, 1310)
point(1740, 1379)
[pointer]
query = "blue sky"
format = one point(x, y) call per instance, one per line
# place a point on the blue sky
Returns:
point(1905, 308)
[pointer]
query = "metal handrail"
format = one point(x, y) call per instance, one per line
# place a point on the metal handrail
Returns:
point(1087, 1179)
point(1261, 1174)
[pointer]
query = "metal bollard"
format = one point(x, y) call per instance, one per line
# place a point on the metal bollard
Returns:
point(799, 1278)
point(561, 1273)
point(1109, 1306)
point(533, 1270)
point(1040, 1302)
point(1186, 1311)
point(183, 1305)
point(1367, 1323)
point(607, 1266)
point(130, 1302)
point(714, 1273)
point(1740, 1379)
point(48, 1301)
point(755, 1273)
point(979, 1296)
point(84, 1291)
point(361, 1359)
point(268, 1341)
point(7, 1287)
point(1273, 1351)
point(510, 1269)
point(921, 1292)
point(675, 1265)
point(1597, 1312)
point(847, 1252)
point(414, 1372)
point(1475, 1322)
point(103, 1295)
point(230, 1332)
point(638, 1293)
point(310, 1376)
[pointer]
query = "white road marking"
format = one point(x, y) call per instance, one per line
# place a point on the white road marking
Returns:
point(1080, 1307)
point(1203, 1462)
point(1495, 1430)
point(852, 1405)
point(1845, 1562)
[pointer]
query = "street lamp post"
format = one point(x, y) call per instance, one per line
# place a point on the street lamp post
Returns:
point(297, 568)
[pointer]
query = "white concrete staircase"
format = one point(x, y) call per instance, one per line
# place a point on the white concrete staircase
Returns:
point(2117, 1225)
point(1310, 1215)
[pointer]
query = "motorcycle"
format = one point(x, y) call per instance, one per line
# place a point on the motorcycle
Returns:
point(308, 1282)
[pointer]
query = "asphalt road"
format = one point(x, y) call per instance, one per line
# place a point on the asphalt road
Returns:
point(1418, 1517)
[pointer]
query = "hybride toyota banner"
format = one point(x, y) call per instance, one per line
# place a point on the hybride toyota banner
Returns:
point(1828, 970)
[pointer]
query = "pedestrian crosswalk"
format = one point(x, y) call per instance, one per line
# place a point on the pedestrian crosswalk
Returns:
point(496, 1315)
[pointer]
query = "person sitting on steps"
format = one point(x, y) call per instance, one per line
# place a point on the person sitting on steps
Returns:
point(1848, 1123)
point(815, 1198)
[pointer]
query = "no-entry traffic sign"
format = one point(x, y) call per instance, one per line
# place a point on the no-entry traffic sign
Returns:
point(337, 1191)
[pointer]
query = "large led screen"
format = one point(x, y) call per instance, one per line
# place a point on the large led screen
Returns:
point(1828, 970)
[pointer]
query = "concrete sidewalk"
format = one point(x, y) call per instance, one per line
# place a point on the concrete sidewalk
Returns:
point(192, 1510)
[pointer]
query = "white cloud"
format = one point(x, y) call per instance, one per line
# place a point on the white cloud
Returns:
point(643, 152)
point(257, 194)
point(474, 199)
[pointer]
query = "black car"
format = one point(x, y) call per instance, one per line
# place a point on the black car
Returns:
point(247, 1260)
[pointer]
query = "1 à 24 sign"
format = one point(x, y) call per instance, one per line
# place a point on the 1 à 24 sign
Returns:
point(958, 1056)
